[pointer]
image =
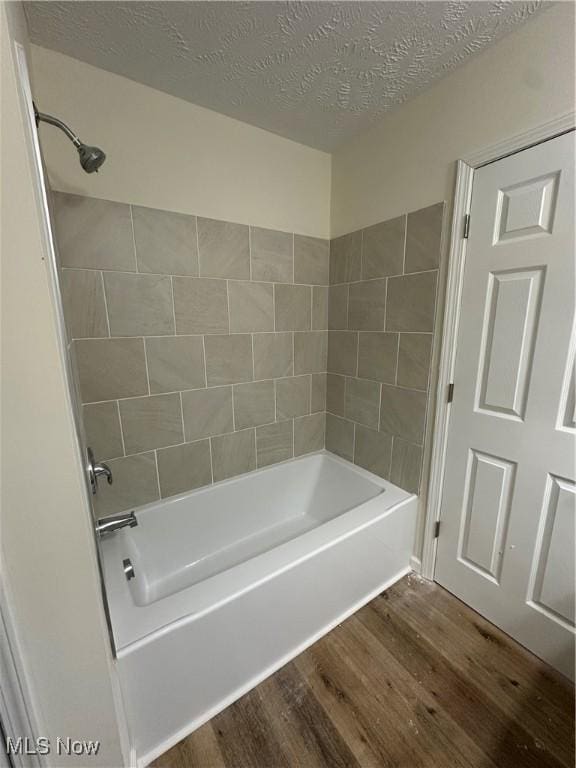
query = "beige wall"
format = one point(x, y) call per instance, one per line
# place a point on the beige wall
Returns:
point(407, 161)
point(166, 153)
point(48, 563)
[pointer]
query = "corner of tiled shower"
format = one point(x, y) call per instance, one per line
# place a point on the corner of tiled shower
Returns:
point(206, 349)
point(381, 320)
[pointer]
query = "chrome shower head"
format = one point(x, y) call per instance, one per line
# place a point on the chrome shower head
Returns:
point(91, 158)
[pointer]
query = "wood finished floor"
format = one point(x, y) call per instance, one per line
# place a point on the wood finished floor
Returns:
point(414, 679)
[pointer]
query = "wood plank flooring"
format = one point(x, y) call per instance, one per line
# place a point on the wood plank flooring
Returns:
point(416, 679)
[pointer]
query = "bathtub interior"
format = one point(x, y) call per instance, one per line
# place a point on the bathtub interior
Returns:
point(192, 538)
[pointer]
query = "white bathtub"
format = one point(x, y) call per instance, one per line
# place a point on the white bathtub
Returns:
point(234, 580)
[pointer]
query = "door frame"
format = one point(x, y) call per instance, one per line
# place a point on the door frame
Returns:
point(455, 275)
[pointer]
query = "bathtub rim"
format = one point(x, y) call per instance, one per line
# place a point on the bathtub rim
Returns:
point(172, 609)
point(157, 510)
point(381, 482)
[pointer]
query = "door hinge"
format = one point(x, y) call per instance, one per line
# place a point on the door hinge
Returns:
point(450, 392)
point(437, 529)
point(466, 226)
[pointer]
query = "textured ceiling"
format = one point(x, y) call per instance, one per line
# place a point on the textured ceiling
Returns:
point(315, 72)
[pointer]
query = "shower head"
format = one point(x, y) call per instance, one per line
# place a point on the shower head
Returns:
point(91, 158)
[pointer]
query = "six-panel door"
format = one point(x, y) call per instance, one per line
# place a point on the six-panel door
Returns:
point(508, 510)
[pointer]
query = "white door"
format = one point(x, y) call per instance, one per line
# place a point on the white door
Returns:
point(506, 544)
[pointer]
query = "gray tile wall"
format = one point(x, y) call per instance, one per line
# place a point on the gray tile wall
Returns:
point(201, 346)
point(381, 312)
point(205, 349)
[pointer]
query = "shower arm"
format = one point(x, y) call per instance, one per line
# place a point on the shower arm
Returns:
point(91, 158)
point(41, 116)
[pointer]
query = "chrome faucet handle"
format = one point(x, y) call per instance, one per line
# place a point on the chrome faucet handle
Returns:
point(96, 470)
point(103, 469)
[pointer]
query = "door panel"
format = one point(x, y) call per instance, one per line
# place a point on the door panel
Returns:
point(512, 308)
point(506, 545)
point(553, 573)
point(487, 495)
point(526, 209)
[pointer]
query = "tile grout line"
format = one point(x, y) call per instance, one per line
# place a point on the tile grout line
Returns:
point(255, 450)
point(137, 270)
point(228, 305)
point(405, 239)
point(234, 333)
point(233, 409)
point(235, 279)
point(211, 462)
point(351, 421)
point(386, 309)
point(197, 244)
point(121, 428)
point(205, 365)
point(105, 304)
point(146, 366)
point(258, 381)
point(275, 401)
point(182, 418)
point(211, 459)
point(250, 251)
point(382, 277)
point(385, 306)
point(256, 447)
point(157, 473)
point(217, 386)
point(173, 304)
point(397, 361)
